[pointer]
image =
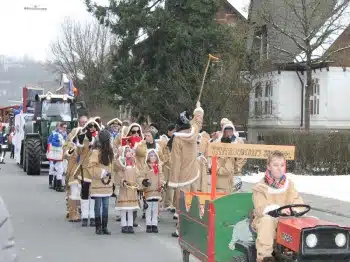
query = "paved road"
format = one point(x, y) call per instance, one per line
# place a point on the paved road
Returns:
point(43, 234)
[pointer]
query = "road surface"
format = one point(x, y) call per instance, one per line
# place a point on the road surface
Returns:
point(43, 234)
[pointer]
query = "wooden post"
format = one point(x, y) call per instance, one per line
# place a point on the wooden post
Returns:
point(213, 178)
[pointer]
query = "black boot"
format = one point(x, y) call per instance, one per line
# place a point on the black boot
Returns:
point(50, 181)
point(155, 229)
point(59, 187)
point(104, 226)
point(149, 229)
point(92, 222)
point(85, 222)
point(131, 230)
point(54, 183)
point(98, 226)
point(134, 217)
point(125, 230)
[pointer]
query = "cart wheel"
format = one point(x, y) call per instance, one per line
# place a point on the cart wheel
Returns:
point(185, 255)
point(240, 258)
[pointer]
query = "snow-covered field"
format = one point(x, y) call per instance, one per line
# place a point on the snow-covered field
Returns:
point(337, 187)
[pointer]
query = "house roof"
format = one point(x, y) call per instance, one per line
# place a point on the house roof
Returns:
point(241, 7)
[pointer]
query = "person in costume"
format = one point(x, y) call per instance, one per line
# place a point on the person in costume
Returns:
point(229, 167)
point(55, 155)
point(216, 136)
point(183, 148)
point(141, 151)
point(133, 140)
point(127, 201)
point(202, 145)
point(73, 186)
point(86, 139)
point(114, 127)
point(273, 191)
point(52, 181)
point(152, 180)
point(154, 128)
point(169, 193)
point(100, 167)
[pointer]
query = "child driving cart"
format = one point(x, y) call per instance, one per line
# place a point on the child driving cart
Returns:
point(274, 191)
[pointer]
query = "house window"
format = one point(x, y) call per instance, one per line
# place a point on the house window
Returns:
point(315, 97)
point(263, 98)
point(268, 98)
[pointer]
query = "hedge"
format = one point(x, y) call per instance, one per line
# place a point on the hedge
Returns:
point(316, 153)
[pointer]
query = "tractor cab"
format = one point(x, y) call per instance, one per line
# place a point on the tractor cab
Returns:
point(51, 109)
point(302, 238)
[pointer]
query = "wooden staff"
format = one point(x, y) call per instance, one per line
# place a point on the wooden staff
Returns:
point(210, 58)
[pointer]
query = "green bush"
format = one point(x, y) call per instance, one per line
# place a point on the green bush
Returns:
point(316, 153)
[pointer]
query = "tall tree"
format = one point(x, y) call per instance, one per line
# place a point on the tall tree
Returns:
point(308, 26)
point(82, 51)
point(164, 47)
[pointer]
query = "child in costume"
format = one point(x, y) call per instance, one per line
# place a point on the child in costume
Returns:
point(127, 202)
point(273, 191)
point(152, 180)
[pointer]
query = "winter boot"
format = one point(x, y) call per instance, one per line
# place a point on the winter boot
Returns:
point(50, 181)
point(59, 187)
point(155, 229)
point(54, 183)
point(98, 226)
point(92, 222)
point(105, 230)
point(149, 229)
point(85, 222)
point(134, 217)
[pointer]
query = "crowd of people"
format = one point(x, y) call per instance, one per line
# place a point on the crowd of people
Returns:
point(145, 172)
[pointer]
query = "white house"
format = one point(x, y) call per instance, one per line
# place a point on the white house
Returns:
point(277, 101)
point(277, 98)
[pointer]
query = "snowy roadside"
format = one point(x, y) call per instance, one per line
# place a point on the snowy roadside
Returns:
point(336, 187)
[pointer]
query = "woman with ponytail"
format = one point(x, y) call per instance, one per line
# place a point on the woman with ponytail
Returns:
point(100, 168)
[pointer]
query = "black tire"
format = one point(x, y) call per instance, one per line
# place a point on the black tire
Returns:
point(33, 156)
point(24, 165)
point(185, 255)
point(240, 258)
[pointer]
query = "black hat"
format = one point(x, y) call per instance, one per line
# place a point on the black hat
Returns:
point(155, 126)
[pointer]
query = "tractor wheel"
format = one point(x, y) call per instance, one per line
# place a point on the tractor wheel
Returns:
point(185, 255)
point(24, 162)
point(240, 258)
point(33, 156)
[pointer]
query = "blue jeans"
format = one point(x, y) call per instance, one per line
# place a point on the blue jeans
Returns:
point(101, 202)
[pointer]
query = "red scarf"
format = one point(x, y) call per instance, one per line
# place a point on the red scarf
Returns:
point(273, 182)
point(155, 168)
point(129, 161)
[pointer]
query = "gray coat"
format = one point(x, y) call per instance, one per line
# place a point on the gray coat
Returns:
point(7, 243)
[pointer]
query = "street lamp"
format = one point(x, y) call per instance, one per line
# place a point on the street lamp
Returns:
point(35, 8)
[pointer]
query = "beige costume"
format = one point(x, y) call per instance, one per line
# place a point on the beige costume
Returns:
point(266, 199)
point(202, 183)
point(70, 155)
point(157, 180)
point(128, 193)
point(228, 168)
point(184, 170)
point(95, 169)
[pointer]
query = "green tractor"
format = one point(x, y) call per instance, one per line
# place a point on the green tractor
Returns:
point(49, 110)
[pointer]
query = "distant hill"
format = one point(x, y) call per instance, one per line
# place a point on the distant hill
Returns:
point(15, 74)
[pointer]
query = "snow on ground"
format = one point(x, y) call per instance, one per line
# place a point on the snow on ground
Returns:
point(336, 187)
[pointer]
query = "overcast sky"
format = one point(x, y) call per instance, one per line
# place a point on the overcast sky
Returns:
point(30, 32)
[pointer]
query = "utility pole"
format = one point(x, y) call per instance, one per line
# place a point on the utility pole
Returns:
point(35, 8)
